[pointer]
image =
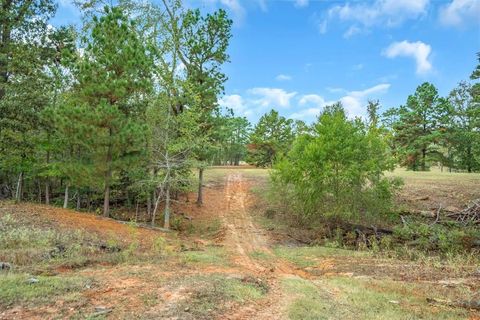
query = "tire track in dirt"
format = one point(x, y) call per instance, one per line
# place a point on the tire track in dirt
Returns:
point(242, 238)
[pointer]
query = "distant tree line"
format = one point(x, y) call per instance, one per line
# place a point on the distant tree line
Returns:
point(427, 130)
point(432, 130)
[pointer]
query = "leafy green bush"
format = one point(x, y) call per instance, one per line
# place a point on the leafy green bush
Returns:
point(445, 239)
point(336, 171)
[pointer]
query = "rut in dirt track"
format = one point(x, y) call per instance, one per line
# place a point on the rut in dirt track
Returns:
point(242, 238)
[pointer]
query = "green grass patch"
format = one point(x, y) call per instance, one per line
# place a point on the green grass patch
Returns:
point(434, 175)
point(16, 288)
point(261, 255)
point(355, 298)
point(310, 256)
point(210, 256)
point(211, 293)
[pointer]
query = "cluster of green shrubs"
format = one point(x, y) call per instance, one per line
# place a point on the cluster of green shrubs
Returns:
point(445, 239)
point(335, 170)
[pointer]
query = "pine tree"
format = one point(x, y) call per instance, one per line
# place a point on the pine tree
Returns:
point(112, 75)
point(419, 127)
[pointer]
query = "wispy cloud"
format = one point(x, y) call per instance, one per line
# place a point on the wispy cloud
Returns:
point(233, 6)
point(416, 50)
point(365, 15)
point(272, 97)
point(354, 102)
point(301, 3)
point(460, 12)
point(283, 77)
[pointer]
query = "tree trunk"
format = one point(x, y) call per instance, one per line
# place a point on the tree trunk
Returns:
point(106, 200)
point(108, 176)
point(65, 200)
point(19, 191)
point(149, 206)
point(200, 186)
point(89, 202)
point(136, 211)
point(79, 200)
point(166, 215)
point(424, 153)
point(47, 183)
point(47, 192)
point(154, 213)
point(39, 191)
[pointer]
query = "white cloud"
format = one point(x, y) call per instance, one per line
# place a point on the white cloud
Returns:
point(236, 8)
point(417, 50)
point(309, 113)
point(233, 6)
point(272, 97)
point(234, 102)
point(353, 30)
point(314, 103)
point(460, 12)
point(335, 90)
point(378, 13)
point(301, 3)
point(355, 101)
point(283, 77)
point(314, 99)
point(319, 22)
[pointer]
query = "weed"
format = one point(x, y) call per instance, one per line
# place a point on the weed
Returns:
point(16, 288)
point(212, 292)
point(209, 256)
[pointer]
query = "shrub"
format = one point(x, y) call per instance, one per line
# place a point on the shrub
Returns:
point(337, 170)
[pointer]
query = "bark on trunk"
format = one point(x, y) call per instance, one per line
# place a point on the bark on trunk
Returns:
point(106, 200)
point(166, 215)
point(19, 191)
point(200, 186)
point(39, 191)
point(108, 176)
point(47, 192)
point(149, 206)
point(136, 211)
point(424, 153)
point(65, 200)
point(47, 183)
point(79, 200)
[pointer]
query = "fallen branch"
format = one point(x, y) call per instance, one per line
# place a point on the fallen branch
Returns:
point(437, 216)
point(467, 304)
point(471, 214)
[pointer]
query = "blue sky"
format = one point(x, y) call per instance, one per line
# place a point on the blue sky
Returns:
point(297, 56)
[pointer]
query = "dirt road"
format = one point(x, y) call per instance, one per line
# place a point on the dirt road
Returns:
point(243, 240)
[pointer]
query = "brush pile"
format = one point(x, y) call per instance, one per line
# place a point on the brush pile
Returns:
point(469, 215)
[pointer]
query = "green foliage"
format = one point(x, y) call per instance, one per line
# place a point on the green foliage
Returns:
point(232, 136)
point(271, 137)
point(444, 239)
point(463, 136)
point(420, 127)
point(16, 288)
point(337, 170)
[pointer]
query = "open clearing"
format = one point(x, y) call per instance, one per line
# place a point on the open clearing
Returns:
point(224, 265)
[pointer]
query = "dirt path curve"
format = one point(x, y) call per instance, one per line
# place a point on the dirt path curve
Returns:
point(242, 238)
